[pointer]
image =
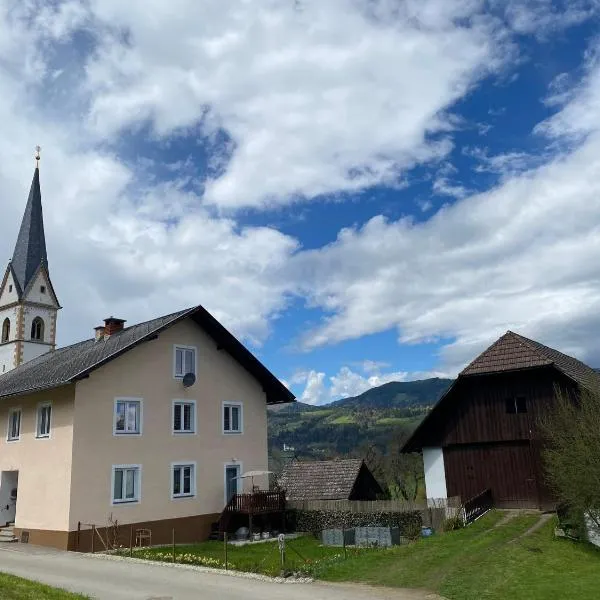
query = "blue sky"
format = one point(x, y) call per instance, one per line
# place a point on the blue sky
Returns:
point(362, 190)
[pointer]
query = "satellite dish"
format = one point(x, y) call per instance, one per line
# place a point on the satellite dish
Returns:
point(189, 379)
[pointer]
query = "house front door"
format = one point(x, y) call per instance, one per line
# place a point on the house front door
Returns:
point(232, 481)
point(8, 496)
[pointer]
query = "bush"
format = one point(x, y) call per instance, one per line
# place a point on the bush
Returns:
point(314, 521)
point(453, 523)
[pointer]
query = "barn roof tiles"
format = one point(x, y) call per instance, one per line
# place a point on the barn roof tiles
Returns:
point(513, 352)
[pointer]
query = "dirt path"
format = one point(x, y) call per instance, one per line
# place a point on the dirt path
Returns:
point(544, 518)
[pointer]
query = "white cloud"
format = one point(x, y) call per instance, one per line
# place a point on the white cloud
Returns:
point(520, 256)
point(119, 242)
point(347, 383)
point(318, 98)
point(315, 391)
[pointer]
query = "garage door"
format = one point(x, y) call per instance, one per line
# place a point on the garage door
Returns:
point(507, 469)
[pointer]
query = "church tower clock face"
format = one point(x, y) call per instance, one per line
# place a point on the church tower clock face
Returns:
point(28, 303)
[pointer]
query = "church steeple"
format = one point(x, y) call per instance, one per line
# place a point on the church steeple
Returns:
point(30, 249)
point(28, 304)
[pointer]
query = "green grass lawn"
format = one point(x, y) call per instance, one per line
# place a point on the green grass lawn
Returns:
point(477, 563)
point(480, 562)
point(304, 555)
point(15, 588)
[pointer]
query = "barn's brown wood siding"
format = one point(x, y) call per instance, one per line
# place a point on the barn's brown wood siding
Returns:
point(507, 469)
point(479, 407)
point(486, 447)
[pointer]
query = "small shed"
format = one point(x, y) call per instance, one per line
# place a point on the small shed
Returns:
point(340, 479)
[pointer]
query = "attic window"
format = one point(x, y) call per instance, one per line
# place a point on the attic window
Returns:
point(516, 405)
point(10, 288)
point(43, 289)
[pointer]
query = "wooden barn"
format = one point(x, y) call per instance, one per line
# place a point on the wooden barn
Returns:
point(483, 433)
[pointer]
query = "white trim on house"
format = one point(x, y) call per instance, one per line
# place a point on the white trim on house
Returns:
point(184, 347)
point(138, 495)
point(194, 420)
point(11, 411)
point(139, 401)
point(435, 473)
point(239, 431)
point(182, 464)
point(38, 414)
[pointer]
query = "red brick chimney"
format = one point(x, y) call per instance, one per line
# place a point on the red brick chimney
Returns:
point(113, 325)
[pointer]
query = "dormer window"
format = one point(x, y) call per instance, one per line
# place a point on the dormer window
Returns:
point(5, 330)
point(37, 329)
point(42, 289)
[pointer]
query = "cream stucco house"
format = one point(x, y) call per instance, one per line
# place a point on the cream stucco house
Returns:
point(107, 429)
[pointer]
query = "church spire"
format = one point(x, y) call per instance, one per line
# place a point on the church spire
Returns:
point(30, 249)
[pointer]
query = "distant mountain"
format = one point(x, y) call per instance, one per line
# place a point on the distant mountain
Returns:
point(346, 427)
point(399, 394)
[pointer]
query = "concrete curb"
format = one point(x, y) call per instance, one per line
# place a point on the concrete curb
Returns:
point(229, 573)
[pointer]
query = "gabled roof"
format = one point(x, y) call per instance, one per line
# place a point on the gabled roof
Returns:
point(511, 352)
point(320, 480)
point(30, 249)
point(72, 363)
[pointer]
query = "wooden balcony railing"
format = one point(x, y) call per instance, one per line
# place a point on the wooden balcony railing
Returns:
point(256, 502)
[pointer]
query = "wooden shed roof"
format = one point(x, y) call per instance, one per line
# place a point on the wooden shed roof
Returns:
point(320, 480)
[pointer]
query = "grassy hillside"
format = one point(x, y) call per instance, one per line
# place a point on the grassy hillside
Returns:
point(487, 560)
point(349, 426)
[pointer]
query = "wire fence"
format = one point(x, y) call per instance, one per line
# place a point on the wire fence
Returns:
point(284, 555)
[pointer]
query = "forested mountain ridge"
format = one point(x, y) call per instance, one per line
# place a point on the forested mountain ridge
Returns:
point(350, 426)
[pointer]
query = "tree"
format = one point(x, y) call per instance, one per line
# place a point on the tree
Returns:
point(571, 454)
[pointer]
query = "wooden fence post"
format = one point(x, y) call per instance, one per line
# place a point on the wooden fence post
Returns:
point(173, 536)
point(131, 541)
point(78, 535)
point(225, 542)
point(93, 537)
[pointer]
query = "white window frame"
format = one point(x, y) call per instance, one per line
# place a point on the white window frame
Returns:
point(181, 465)
point(38, 421)
point(139, 401)
point(239, 431)
point(238, 464)
point(11, 412)
point(138, 497)
point(183, 347)
point(194, 429)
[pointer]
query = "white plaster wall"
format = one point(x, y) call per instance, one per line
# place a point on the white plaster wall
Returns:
point(44, 465)
point(147, 372)
point(11, 313)
point(7, 351)
point(32, 350)
point(31, 312)
point(9, 297)
point(35, 295)
point(435, 473)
